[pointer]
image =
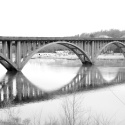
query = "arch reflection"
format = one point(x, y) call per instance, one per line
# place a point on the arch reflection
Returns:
point(16, 89)
point(91, 78)
point(109, 73)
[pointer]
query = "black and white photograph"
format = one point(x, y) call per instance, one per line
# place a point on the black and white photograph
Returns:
point(62, 62)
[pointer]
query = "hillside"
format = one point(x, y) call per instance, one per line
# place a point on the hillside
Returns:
point(112, 33)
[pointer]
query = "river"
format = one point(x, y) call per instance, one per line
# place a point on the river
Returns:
point(62, 92)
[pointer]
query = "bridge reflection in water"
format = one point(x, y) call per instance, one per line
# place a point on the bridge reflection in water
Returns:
point(16, 89)
point(92, 78)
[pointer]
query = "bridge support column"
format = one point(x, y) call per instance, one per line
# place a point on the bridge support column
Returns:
point(24, 50)
point(97, 47)
point(88, 49)
point(34, 45)
point(10, 50)
point(29, 47)
point(18, 54)
point(93, 51)
point(84, 46)
point(4, 48)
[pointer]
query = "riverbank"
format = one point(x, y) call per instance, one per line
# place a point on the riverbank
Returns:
point(110, 62)
point(55, 56)
point(56, 62)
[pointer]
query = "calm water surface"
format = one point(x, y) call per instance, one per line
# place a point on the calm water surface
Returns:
point(43, 87)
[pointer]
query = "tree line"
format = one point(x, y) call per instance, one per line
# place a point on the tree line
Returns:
point(112, 33)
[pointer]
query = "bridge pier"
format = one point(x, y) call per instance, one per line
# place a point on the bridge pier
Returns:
point(4, 47)
point(18, 54)
point(93, 51)
point(10, 50)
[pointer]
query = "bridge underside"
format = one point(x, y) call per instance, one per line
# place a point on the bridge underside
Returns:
point(79, 52)
point(7, 63)
point(119, 45)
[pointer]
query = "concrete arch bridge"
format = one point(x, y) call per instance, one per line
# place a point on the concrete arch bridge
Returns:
point(16, 51)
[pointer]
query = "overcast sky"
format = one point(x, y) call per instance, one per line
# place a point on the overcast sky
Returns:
point(59, 17)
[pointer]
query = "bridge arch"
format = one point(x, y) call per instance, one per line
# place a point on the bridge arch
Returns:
point(7, 63)
point(119, 44)
point(78, 51)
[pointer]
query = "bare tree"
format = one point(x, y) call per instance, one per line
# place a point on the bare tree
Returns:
point(26, 122)
point(73, 113)
point(12, 113)
point(37, 118)
point(52, 121)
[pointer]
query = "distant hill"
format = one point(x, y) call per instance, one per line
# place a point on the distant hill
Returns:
point(103, 36)
point(112, 33)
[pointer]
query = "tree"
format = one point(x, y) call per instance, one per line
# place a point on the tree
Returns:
point(73, 112)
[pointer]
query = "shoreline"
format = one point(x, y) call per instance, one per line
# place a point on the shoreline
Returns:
point(110, 62)
point(75, 62)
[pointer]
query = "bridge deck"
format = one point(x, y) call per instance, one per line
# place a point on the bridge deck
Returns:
point(56, 38)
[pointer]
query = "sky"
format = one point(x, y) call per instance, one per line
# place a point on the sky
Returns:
point(58, 18)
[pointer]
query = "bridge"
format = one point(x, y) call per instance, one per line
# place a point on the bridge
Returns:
point(16, 89)
point(15, 52)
